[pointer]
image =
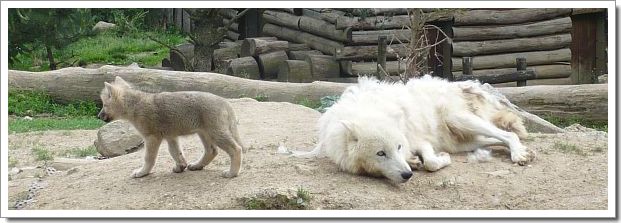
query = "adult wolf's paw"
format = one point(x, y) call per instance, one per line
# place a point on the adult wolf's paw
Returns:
point(522, 156)
point(228, 174)
point(195, 166)
point(139, 173)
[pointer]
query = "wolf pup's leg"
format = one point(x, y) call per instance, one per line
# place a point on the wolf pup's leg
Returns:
point(226, 142)
point(208, 155)
point(177, 155)
point(152, 145)
point(474, 124)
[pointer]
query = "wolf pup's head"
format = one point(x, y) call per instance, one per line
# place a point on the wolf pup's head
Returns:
point(378, 150)
point(112, 98)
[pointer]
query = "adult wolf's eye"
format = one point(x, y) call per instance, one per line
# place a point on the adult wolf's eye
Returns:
point(381, 153)
point(399, 147)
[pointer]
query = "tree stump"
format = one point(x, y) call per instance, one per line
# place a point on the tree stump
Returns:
point(270, 62)
point(245, 67)
point(295, 71)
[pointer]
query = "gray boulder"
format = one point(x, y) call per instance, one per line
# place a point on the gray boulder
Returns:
point(103, 26)
point(118, 138)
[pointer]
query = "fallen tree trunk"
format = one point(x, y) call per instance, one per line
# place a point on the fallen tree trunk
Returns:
point(588, 101)
point(508, 60)
point(488, 17)
point(561, 25)
point(473, 48)
point(295, 71)
point(245, 67)
point(254, 47)
point(270, 62)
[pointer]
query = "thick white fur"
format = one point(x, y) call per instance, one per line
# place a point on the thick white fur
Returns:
point(427, 116)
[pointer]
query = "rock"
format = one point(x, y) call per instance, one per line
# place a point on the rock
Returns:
point(578, 128)
point(133, 65)
point(103, 26)
point(63, 164)
point(303, 170)
point(602, 79)
point(27, 118)
point(118, 138)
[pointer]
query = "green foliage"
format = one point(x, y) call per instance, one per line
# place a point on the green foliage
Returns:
point(82, 152)
point(277, 201)
point(564, 122)
point(261, 97)
point(35, 28)
point(32, 103)
point(18, 125)
point(314, 104)
point(569, 148)
point(327, 102)
point(42, 154)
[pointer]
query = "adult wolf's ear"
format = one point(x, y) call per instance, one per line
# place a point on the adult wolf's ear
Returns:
point(120, 82)
point(352, 130)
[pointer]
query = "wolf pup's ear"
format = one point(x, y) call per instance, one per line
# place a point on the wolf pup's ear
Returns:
point(352, 130)
point(109, 89)
point(120, 82)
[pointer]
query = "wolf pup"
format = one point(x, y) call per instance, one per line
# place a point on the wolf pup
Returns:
point(167, 115)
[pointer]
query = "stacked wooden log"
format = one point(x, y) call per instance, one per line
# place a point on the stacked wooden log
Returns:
point(495, 38)
point(233, 30)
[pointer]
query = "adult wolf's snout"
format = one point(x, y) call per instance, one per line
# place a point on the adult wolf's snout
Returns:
point(406, 175)
point(103, 116)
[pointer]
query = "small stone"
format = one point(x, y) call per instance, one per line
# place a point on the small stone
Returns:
point(28, 118)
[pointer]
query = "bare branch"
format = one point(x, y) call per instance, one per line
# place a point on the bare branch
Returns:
point(239, 15)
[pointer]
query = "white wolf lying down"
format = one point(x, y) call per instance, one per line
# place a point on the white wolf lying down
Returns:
point(379, 129)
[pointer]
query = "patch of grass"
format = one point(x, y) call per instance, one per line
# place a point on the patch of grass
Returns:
point(17, 125)
point(31, 103)
point(12, 162)
point(569, 148)
point(261, 97)
point(42, 154)
point(327, 102)
point(564, 122)
point(314, 104)
point(106, 48)
point(278, 201)
point(82, 152)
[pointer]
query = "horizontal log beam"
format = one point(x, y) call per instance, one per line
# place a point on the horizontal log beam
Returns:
point(474, 48)
point(491, 17)
point(465, 33)
point(508, 60)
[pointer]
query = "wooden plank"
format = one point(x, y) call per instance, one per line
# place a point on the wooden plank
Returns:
point(508, 60)
point(487, 17)
point(583, 48)
point(560, 25)
point(474, 48)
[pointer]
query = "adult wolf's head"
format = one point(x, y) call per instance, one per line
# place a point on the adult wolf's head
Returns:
point(112, 99)
point(377, 149)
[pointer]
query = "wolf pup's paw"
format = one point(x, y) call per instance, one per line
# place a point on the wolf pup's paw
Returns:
point(522, 156)
point(139, 173)
point(227, 174)
point(195, 166)
point(179, 168)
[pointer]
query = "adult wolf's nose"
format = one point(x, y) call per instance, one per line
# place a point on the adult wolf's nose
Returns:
point(406, 175)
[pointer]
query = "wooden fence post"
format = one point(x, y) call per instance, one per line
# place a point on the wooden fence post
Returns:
point(381, 56)
point(521, 66)
point(467, 65)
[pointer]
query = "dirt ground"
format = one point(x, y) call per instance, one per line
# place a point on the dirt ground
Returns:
point(570, 172)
